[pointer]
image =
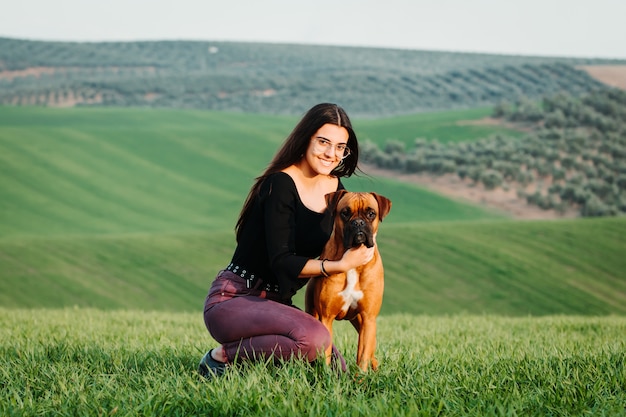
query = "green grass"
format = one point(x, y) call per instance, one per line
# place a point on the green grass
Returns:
point(540, 267)
point(128, 363)
point(442, 126)
point(111, 171)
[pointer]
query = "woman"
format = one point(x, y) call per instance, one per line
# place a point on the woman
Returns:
point(282, 228)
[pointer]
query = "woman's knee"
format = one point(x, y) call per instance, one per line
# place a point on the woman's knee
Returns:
point(316, 339)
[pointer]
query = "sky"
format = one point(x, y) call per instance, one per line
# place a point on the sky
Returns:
point(570, 28)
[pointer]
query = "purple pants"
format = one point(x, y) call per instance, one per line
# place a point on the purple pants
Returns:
point(253, 325)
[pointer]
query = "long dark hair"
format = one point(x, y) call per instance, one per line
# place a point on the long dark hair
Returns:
point(296, 145)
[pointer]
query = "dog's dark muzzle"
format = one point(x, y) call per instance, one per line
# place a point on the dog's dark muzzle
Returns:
point(359, 233)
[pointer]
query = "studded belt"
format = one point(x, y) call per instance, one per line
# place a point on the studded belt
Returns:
point(253, 281)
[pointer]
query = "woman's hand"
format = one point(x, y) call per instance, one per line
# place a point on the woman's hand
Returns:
point(352, 258)
point(355, 257)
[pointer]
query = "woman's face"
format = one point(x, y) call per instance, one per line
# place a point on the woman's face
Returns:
point(327, 148)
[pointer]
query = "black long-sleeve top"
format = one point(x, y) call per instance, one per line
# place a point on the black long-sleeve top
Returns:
point(281, 234)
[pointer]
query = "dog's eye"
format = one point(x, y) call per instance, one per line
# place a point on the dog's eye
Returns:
point(346, 213)
point(371, 214)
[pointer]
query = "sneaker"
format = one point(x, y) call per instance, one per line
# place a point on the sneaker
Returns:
point(209, 367)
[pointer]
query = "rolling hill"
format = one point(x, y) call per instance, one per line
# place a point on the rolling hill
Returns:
point(117, 171)
point(132, 208)
point(485, 267)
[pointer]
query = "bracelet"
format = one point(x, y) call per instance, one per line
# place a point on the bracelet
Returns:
point(322, 270)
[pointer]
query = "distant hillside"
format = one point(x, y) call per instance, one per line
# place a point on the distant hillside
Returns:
point(572, 159)
point(275, 78)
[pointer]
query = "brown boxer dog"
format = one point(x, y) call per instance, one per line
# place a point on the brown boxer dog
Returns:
point(356, 295)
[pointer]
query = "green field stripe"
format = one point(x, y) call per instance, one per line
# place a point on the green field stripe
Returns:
point(187, 187)
point(68, 195)
point(120, 155)
point(157, 272)
point(193, 186)
point(479, 263)
point(432, 268)
point(102, 184)
point(36, 188)
point(441, 126)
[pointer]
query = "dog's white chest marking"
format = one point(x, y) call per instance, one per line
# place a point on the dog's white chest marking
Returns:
point(350, 295)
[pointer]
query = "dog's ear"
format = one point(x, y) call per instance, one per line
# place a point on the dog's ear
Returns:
point(332, 199)
point(384, 206)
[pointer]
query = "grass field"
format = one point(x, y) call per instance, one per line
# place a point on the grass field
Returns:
point(129, 363)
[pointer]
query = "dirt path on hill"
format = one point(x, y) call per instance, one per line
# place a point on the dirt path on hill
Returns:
point(451, 186)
